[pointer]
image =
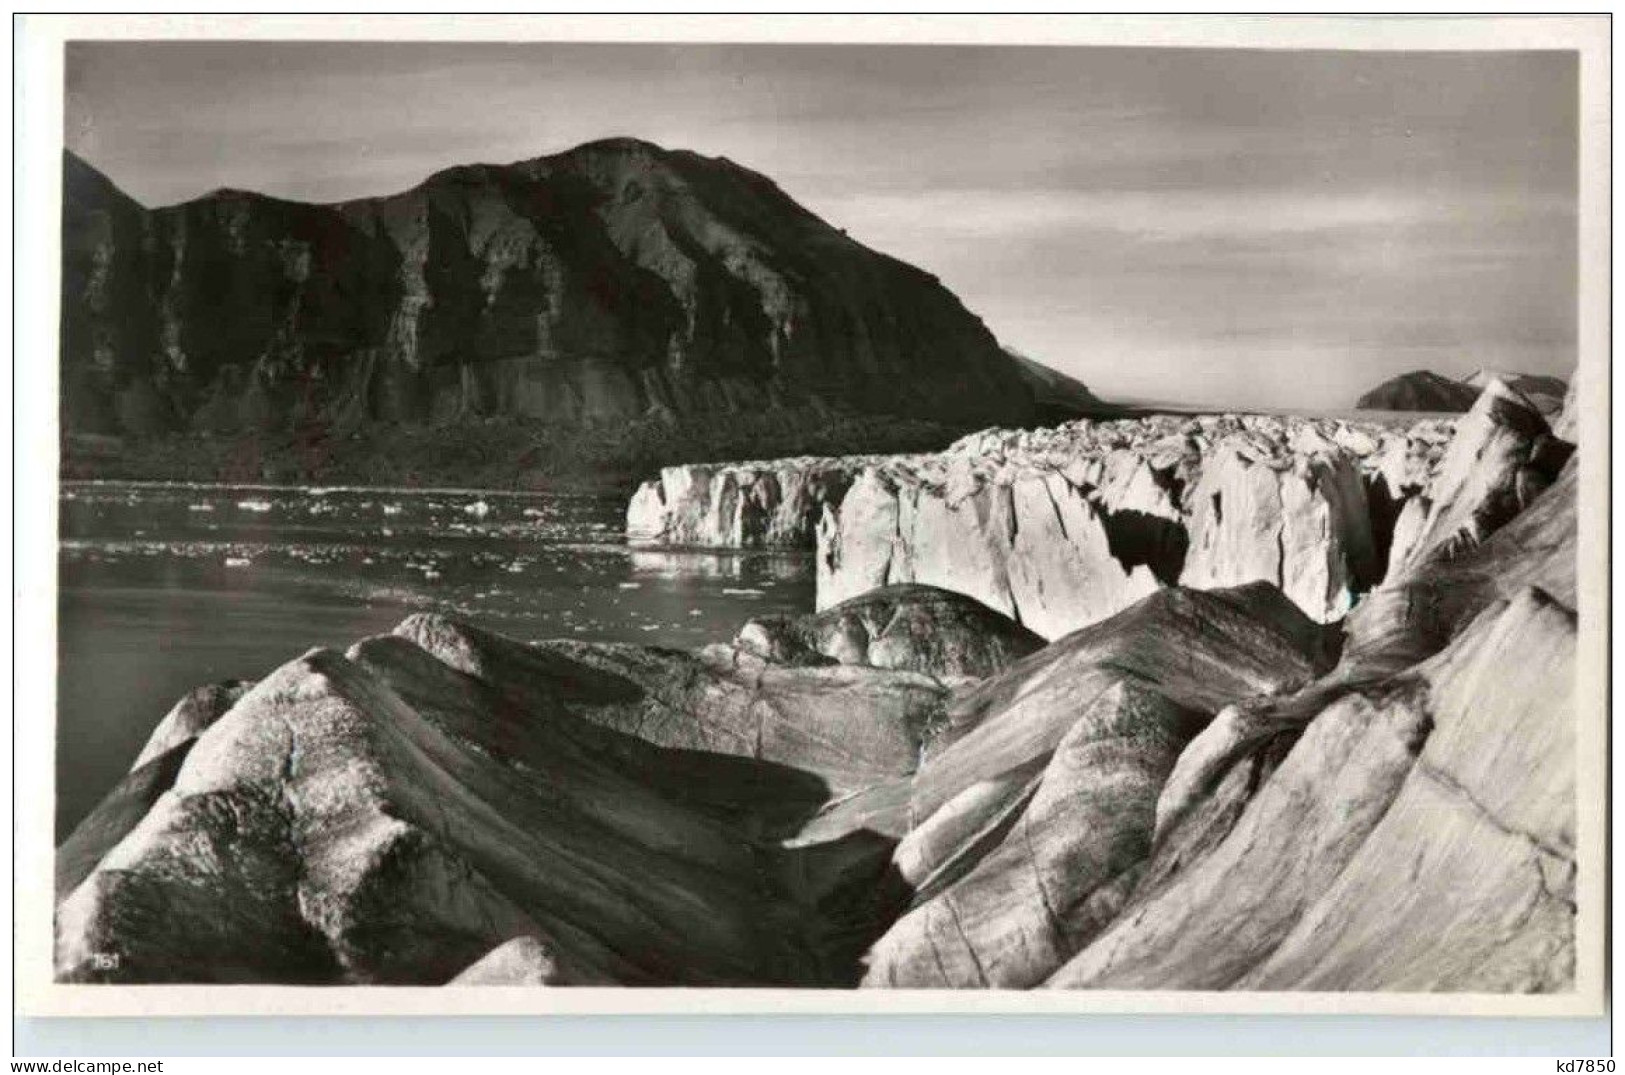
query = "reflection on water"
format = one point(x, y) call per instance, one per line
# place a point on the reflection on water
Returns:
point(164, 587)
point(704, 564)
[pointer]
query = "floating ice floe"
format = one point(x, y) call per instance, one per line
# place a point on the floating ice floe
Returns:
point(200, 507)
point(631, 585)
point(479, 509)
point(392, 509)
point(238, 561)
point(254, 505)
point(744, 592)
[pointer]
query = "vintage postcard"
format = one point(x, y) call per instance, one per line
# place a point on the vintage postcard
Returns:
point(785, 514)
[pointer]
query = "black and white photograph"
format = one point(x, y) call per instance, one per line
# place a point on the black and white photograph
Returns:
point(550, 520)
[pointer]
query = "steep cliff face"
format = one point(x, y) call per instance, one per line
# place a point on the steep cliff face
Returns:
point(615, 280)
point(1034, 548)
point(1302, 523)
point(772, 505)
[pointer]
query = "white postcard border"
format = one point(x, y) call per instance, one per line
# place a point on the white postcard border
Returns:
point(38, 112)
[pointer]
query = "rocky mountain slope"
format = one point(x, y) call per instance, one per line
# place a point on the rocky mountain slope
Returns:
point(1206, 788)
point(1423, 390)
point(614, 283)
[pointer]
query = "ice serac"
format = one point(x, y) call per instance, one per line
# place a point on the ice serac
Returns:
point(1060, 528)
point(1502, 456)
point(857, 541)
point(1033, 548)
point(1409, 529)
point(1301, 523)
point(1061, 568)
point(742, 505)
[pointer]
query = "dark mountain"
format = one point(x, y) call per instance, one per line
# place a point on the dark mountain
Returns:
point(108, 327)
point(1419, 390)
point(617, 282)
point(1423, 390)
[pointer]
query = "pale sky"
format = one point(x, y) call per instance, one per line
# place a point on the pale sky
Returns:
point(1222, 226)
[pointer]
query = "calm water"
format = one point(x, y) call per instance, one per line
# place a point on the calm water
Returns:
point(164, 587)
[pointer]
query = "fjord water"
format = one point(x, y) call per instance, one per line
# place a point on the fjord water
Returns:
point(163, 588)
